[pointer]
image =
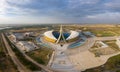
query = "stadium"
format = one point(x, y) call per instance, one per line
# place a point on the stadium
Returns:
point(60, 36)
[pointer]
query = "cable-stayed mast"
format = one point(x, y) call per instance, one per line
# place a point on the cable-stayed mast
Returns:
point(61, 36)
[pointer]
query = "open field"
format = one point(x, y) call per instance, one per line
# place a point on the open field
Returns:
point(112, 65)
point(105, 31)
point(42, 55)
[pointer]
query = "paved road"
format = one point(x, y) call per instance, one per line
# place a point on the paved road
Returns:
point(106, 38)
point(20, 67)
point(46, 69)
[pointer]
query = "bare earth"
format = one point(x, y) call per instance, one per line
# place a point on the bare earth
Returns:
point(85, 60)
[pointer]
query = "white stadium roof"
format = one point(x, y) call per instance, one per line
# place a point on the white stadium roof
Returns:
point(73, 34)
point(50, 34)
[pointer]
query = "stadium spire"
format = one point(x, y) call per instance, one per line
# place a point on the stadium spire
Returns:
point(61, 36)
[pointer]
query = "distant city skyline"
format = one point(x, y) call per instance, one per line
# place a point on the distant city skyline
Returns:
point(59, 11)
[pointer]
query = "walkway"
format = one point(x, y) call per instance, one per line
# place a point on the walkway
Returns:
point(61, 61)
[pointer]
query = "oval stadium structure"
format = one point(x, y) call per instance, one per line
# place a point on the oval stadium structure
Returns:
point(60, 36)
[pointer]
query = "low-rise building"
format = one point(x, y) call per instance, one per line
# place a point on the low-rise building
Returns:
point(26, 46)
point(12, 37)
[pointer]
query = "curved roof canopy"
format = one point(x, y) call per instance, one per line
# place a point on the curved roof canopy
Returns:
point(50, 34)
point(54, 35)
point(73, 34)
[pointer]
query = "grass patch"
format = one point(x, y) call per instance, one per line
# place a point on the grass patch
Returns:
point(42, 55)
point(104, 31)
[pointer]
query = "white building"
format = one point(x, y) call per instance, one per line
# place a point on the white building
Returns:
point(118, 42)
point(12, 37)
point(26, 46)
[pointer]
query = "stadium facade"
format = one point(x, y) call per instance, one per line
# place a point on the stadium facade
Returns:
point(60, 36)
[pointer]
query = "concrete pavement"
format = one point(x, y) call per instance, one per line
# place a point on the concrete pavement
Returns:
point(61, 62)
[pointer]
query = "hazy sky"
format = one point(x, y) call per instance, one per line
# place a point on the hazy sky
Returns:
point(59, 11)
